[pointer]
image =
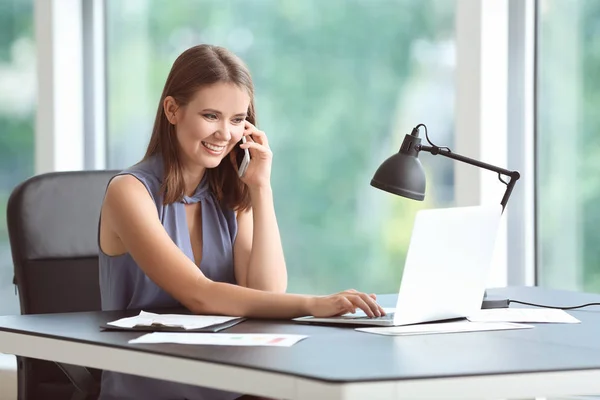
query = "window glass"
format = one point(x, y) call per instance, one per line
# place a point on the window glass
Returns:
point(17, 119)
point(338, 85)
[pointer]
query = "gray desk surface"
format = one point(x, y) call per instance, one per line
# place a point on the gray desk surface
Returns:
point(340, 354)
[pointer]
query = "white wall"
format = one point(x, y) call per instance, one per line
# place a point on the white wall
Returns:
point(481, 116)
point(59, 134)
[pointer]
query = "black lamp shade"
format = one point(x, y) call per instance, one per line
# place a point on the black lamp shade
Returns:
point(401, 174)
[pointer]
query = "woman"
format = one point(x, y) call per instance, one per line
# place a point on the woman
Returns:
point(181, 227)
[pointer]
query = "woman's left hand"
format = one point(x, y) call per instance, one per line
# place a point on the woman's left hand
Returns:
point(258, 173)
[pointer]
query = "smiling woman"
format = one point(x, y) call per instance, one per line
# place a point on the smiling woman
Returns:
point(215, 130)
point(181, 228)
point(337, 85)
point(213, 115)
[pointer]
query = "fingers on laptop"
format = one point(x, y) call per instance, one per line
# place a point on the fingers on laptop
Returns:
point(374, 297)
point(365, 303)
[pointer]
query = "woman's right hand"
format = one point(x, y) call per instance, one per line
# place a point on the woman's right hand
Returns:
point(344, 302)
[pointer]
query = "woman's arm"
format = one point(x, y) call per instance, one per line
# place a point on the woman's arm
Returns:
point(129, 213)
point(258, 253)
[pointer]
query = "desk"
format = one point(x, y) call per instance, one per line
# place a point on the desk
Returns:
point(340, 363)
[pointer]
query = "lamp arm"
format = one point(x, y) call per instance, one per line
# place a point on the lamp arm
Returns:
point(513, 175)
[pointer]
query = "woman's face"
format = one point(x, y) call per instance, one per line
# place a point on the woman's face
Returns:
point(212, 123)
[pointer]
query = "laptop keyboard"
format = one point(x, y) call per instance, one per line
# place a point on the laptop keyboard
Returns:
point(388, 316)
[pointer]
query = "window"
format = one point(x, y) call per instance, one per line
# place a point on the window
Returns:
point(17, 107)
point(568, 144)
point(338, 84)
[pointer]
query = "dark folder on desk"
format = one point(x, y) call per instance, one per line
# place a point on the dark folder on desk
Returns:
point(150, 322)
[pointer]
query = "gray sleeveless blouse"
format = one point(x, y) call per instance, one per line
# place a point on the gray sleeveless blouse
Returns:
point(123, 285)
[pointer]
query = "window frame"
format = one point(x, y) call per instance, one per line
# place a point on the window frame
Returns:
point(72, 134)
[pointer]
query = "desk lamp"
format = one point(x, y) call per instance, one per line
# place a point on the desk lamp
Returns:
point(402, 174)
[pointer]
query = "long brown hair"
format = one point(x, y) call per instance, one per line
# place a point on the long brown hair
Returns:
point(196, 67)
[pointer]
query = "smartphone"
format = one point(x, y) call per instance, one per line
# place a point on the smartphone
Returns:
point(243, 159)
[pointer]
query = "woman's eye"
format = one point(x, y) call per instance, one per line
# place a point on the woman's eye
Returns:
point(210, 116)
point(238, 120)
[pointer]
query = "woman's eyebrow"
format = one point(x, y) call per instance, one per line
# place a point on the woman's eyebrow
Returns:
point(220, 113)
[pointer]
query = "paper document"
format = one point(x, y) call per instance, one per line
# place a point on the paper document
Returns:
point(548, 315)
point(220, 339)
point(171, 320)
point(443, 327)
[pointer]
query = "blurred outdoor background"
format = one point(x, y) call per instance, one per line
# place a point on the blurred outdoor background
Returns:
point(338, 85)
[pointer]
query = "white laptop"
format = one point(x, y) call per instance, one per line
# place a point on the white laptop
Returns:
point(446, 268)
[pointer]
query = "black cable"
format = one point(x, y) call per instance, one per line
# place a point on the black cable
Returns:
point(502, 180)
point(556, 307)
point(429, 141)
point(437, 148)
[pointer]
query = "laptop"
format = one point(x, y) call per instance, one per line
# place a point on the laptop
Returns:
point(446, 268)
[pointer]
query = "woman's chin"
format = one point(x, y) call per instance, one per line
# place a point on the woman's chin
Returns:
point(213, 162)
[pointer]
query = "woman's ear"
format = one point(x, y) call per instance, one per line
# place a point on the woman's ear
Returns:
point(170, 108)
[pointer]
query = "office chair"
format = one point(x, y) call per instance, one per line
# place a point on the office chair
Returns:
point(52, 226)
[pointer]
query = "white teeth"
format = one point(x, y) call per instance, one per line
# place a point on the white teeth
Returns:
point(213, 147)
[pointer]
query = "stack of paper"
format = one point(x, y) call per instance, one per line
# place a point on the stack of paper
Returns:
point(483, 320)
point(544, 315)
point(220, 339)
point(146, 320)
point(443, 327)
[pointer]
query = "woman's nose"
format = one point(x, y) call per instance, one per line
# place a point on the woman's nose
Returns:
point(225, 132)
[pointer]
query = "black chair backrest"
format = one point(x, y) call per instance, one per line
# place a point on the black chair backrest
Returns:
point(52, 224)
point(53, 229)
